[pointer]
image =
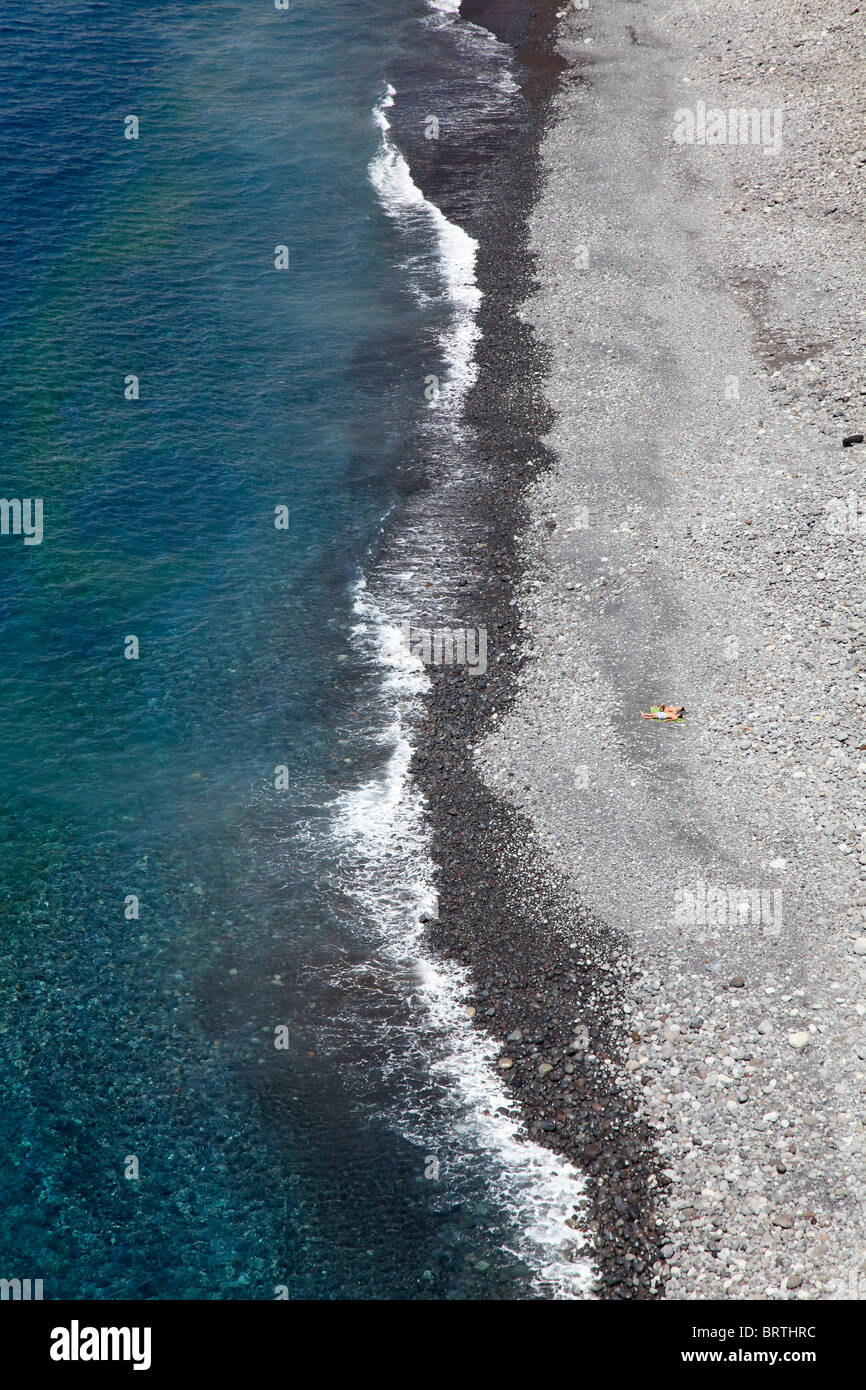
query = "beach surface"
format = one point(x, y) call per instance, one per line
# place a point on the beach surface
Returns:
point(698, 540)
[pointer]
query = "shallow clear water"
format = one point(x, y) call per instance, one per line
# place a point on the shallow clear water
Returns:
point(358, 1160)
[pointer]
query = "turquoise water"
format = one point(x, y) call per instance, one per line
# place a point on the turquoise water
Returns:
point(154, 1143)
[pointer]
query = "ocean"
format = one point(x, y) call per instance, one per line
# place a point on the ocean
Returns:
point(237, 340)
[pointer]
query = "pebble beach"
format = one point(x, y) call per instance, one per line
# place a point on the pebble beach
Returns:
point(699, 539)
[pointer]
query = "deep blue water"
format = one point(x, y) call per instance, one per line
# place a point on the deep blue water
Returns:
point(152, 1037)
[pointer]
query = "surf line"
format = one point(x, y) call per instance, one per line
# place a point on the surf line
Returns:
point(540, 1189)
point(403, 201)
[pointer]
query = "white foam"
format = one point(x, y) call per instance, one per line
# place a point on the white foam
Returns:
point(382, 825)
point(481, 42)
point(402, 199)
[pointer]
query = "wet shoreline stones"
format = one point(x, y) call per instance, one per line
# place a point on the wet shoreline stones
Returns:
point(555, 1006)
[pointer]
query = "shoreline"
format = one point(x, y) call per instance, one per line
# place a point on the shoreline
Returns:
point(538, 965)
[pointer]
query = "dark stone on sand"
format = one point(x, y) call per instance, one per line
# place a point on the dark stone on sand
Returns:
point(513, 933)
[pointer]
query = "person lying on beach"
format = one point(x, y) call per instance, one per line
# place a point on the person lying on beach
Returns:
point(664, 712)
